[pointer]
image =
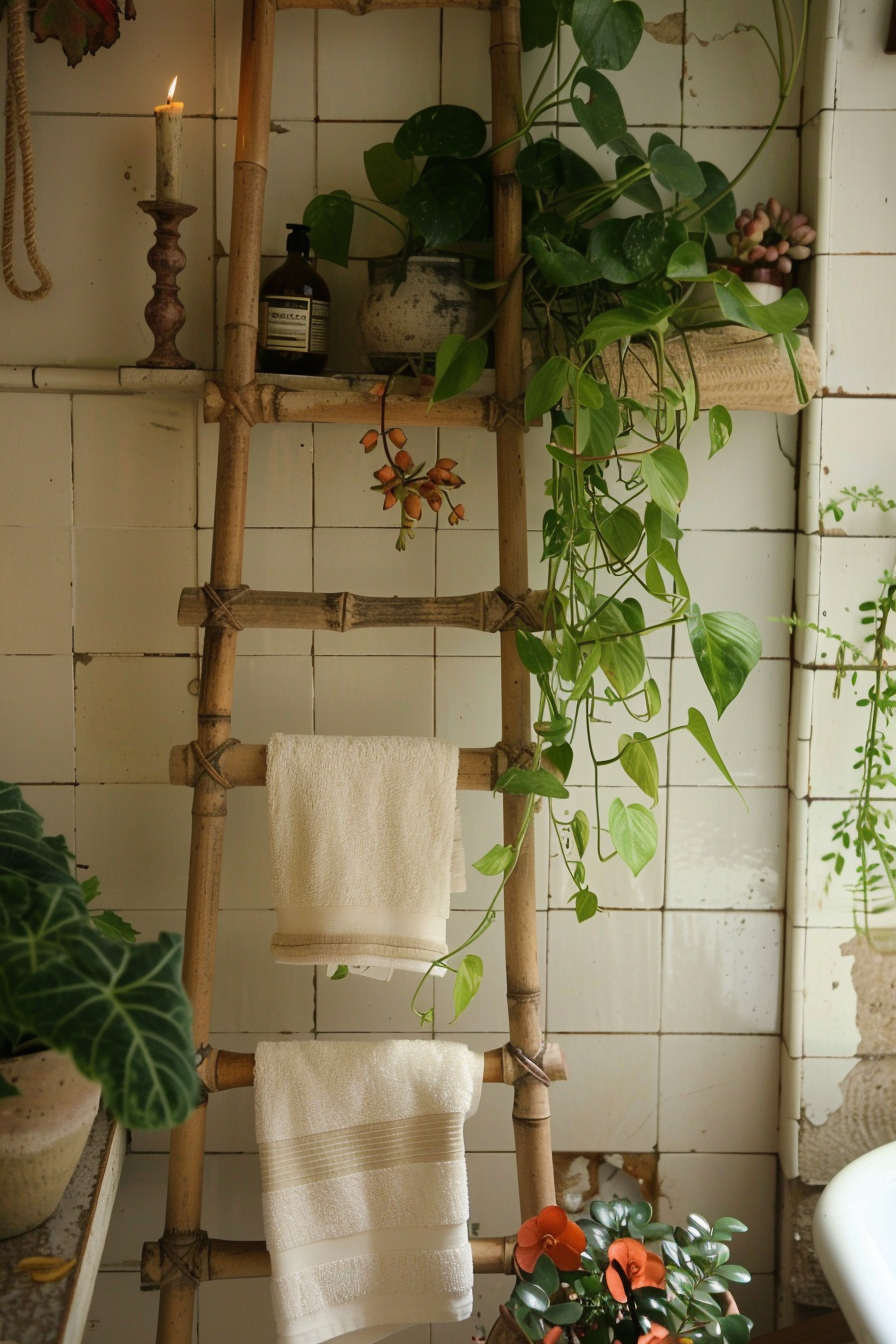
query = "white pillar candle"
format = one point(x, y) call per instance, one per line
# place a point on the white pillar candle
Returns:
point(169, 124)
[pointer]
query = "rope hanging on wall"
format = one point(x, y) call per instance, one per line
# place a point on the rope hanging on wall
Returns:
point(18, 140)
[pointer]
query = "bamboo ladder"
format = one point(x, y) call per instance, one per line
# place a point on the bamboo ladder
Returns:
point(185, 1255)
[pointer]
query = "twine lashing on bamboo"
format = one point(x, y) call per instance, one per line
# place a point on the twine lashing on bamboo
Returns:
point(180, 1255)
point(532, 1066)
point(209, 764)
point(515, 607)
point(506, 412)
point(220, 609)
point(18, 140)
point(241, 399)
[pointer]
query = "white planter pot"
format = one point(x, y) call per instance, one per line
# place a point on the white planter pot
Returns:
point(432, 302)
point(763, 291)
point(42, 1135)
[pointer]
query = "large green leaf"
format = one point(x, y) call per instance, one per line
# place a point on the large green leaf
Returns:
point(637, 756)
point(727, 647)
point(739, 305)
point(445, 201)
point(687, 262)
point(466, 982)
point(540, 782)
point(118, 1009)
point(699, 729)
point(622, 653)
point(606, 247)
point(620, 531)
point(445, 129)
point(721, 428)
point(538, 165)
point(389, 175)
point(330, 219)
point(619, 323)
point(666, 474)
point(538, 23)
point(548, 386)
point(560, 263)
point(607, 31)
point(459, 364)
point(676, 170)
point(634, 833)
point(719, 218)
point(602, 116)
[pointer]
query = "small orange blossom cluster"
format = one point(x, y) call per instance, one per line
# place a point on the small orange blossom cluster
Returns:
point(400, 480)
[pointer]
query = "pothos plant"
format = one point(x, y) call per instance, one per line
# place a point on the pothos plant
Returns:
point(597, 1279)
point(861, 834)
point(601, 290)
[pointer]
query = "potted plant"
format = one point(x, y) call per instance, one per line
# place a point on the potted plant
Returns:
point(596, 1279)
point(84, 1010)
point(431, 185)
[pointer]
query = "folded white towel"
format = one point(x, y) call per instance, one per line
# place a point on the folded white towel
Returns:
point(364, 1184)
point(365, 842)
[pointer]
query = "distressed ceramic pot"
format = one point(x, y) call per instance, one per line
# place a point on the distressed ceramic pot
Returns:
point(432, 301)
point(42, 1136)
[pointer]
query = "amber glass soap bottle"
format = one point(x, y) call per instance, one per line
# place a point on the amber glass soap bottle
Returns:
point(294, 312)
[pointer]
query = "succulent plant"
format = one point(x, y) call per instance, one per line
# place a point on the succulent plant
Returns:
point(771, 236)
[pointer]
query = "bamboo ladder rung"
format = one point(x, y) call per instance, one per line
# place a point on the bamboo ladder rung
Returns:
point(222, 1070)
point(211, 1258)
point(359, 7)
point(245, 765)
point(257, 609)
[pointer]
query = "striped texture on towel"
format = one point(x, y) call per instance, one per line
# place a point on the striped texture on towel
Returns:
point(364, 1184)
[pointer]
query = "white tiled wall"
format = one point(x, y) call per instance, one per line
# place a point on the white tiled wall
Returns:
point(668, 1004)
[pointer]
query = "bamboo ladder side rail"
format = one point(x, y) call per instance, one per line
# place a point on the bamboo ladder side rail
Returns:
point(531, 1109)
point(183, 1213)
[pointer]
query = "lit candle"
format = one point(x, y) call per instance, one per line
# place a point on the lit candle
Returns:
point(169, 124)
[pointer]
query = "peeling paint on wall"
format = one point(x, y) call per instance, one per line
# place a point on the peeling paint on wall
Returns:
point(865, 1120)
point(670, 28)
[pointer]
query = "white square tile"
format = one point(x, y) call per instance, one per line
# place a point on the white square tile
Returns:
point(343, 477)
point(466, 562)
point(127, 586)
point(402, 48)
point(358, 1004)
point(294, 82)
point(721, 972)
point(828, 900)
point(856, 451)
point(280, 476)
point(271, 695)
point(371, 566)
point(820, 60)
point(488, 1010)
point(231, 1196)
point(129, 713)
point(101, 169)
point(494, 1202)
point(246, 876)
point(752, 736)
point(37, 691)
point(135, 461)
point(806, 585)
point(35, 459)
point(483, 826)
point(730, 78)
point(616, 887)
point(861, 325)
point(851, 569)
point(721, 855)
point(139, 1210)
point(136, 839)
point(748, 572)
point(358, 696)
point(718, 1185)
point(234, 1311)
point(276, 559)
point(119, 1310)
point(468, 701)
point(56, 804)
point(588, 1116)
point(36, 600)
point(167, 40)
point(794, 1000)
point(864, 70)
point(290, 180)
point(789, 1127)
point(751, 483)
point(595, 968)
point(816, 187)
point(806, 683)
point(838, 729)
point(719, 1094)
point(797, 857)
point(830, 1026)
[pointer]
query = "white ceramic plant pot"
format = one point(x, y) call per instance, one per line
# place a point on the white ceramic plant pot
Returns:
point(764, 291)
point(42, 1136)
point(432, 301)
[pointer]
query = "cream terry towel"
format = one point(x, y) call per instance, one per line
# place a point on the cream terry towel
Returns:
point(365, 848)
point(364, 1184)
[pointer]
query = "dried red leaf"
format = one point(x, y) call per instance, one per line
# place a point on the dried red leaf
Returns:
point(81, 26)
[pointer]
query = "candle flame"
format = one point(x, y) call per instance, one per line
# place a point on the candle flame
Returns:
point(173, 87)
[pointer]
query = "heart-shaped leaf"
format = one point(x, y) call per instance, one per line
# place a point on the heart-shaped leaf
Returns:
point(621, 531)
point(633, 832)
point(459, 364)
point(538, 165)
point(602, 116)
point(497, 860)
point(607, 31)
point(538, 23)
point(586, 673)
point(560, 263)
point(727, 647)
point(699, 729)
point(676, 170)
point(720, 429)
point(534, 656)
point(440, 131)
point(389, 175)
point(638, 760)
point(548, 386)
point(540, 782)
point(329, 219)
point(666, 474)
point(445, 202)
point(466, 983)
point(739, 305)
point(687, 262)
point(719, 218)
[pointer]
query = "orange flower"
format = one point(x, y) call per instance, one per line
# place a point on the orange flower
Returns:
point(654, 1334)
point(385, 474)
point(413, 507)
point(446, 463)
point(553, 1235)
point(378, 390)
point(370, 440)
point(403, 460)
point(641, 1267)
point(389, 500)
point(554, 1334)
point(397, 438)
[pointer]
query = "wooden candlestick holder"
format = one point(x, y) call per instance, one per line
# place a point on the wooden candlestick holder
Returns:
point(165, 313)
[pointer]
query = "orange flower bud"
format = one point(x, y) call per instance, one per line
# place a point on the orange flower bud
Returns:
point(389, 500)
point(438, 475)
point(413, 506)
point(397, 438)
point(403, 460)
point(434, 500)
point(459, 510)
point(446, 463)
point(385, 474)
point(378, 390)
point(370, 440)
point(454, 480)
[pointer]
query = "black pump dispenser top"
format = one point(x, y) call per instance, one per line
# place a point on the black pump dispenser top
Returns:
point(298, 239)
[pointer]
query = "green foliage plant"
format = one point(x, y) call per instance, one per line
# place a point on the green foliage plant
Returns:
point(78, 982)
point(634, 1280)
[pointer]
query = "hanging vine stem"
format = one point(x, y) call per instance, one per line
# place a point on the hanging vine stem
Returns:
point(18, 143)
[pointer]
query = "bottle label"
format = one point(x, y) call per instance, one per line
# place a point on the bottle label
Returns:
point(297, 324)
